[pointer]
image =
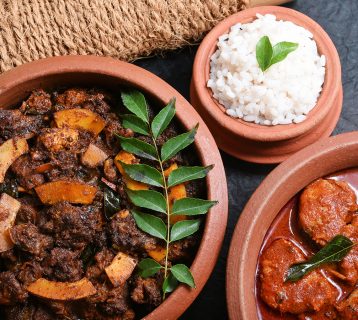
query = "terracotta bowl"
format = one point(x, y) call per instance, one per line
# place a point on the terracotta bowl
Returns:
point(109, 73)
point(258, 143)
point(315, 161)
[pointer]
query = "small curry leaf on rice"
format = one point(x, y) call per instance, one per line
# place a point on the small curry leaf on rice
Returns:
point(148, 199)
point(183, 229)
point(150, 224)
point(281, 50)
point(169, 284)
point(177, 144)
point(138, 147)
point(182, 273)
point(184, 174)
point(333, 251)
point(148, 267)
point(135, 102)
point(266, 55)
point(143, 173)
point(163, 118)
point(191, 206)
point(131, 121)
point(264, 52)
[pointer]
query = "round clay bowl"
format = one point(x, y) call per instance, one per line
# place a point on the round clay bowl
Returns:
point(315, 161)
point(258, 143)
point(109, 73)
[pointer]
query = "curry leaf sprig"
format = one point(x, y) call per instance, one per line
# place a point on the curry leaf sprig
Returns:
point(155, 176)
point(267, 55)
point(333, 251)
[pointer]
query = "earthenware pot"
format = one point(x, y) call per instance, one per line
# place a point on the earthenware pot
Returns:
point(108, 73)
point(258, 143)
point(318, 160)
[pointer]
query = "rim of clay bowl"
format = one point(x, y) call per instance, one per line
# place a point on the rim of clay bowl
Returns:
point(317, 160)
point(18, 82)
point(254, 131)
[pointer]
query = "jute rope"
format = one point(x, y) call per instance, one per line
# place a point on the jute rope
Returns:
point(125, 29)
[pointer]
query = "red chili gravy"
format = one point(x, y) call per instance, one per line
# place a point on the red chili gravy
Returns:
point(286, 226)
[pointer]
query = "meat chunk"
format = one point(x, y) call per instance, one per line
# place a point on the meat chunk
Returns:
point(28, 211)
point(23, 311)
point(325, 207)
point(14, 123)
point(28, 238)
point(116, 302)
point(146, 291)
point(348, 308)
point(63, 265)
point(110, 171)
point(24, 169)
point(102, 260)
point(125, 234)
point(39, 102)
point(11, 292)
point(29, 272)
point(349, 265)
point(58, 139)
point(311, 293)
point(74, 226)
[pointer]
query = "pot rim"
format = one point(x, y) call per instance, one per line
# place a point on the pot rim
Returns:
point(41, 70)
point(317, 160)
point(254, 131)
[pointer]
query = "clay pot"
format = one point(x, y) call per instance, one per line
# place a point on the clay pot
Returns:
point(108, 73)
point(258, 143)
point(318, 160)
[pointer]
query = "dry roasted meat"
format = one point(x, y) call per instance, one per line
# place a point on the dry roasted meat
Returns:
point(39, 102)
point(66, 242)
point(125, 234)
point(146, 291)
point(24, 169)
point(11, 291)
point(325, 207)
point(311, 293)
point(14, 124)
point(27, 237)
point(63, 265)
point(74, 226)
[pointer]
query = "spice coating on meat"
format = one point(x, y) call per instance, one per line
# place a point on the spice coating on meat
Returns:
point(311, 293)
point(28, 238)
point(11, 292)
point(325, 207)
point(146, 291)
point(348, 308)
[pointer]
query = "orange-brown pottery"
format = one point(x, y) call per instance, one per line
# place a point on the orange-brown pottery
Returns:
point(318, 160)
point(108, 73)
point(259, 143)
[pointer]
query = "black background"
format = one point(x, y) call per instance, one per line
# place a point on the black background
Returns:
point(340, 20)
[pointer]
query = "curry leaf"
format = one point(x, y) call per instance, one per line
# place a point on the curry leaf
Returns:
point(264, 53)
point(138, 147)
point(163, 118)
point(191, 206)
point(111, 203)
point(130, 121)
point(143, 173)
point(150, 224)
point(148, 199)
point(333, 251)
point(148, 267)
point(183, 174)
point(281, 50)
point(178, 143)
point(169, 284)
point(183, 229)
point(182, 273)
point(135, 102)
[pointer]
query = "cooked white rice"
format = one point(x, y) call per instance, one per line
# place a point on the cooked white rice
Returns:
point(285, 92)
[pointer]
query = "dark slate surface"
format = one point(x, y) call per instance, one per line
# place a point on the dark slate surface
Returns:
point(339, 19)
